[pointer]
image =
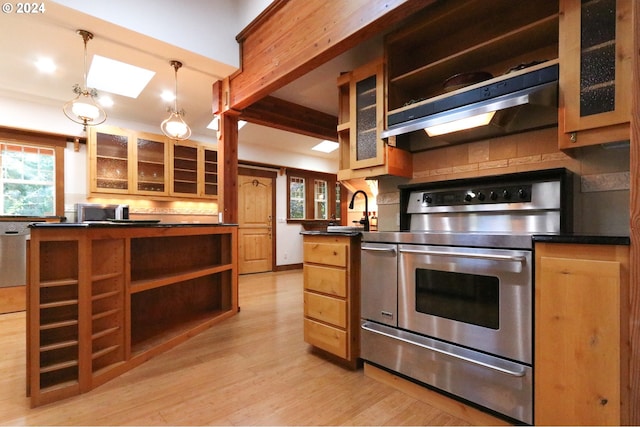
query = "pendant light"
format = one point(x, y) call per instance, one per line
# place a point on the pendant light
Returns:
point(174, 126)
point(84, 109)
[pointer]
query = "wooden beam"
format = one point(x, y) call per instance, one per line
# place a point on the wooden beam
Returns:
point(228, 167)
point(285, 115)
point(292, 38)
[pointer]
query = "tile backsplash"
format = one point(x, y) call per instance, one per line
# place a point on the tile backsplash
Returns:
point(601, 178)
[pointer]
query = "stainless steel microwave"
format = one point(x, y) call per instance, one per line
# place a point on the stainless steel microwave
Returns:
point(100, 212)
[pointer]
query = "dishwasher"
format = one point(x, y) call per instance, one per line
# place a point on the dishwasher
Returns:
point(13, 254)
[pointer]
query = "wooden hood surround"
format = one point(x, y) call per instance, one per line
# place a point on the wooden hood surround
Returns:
point(291, 38)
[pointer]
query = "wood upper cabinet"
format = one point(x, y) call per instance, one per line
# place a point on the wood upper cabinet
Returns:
point(194, 171)
point(110, 152)
point(332, 296)
point(581, 334)
point(127, 162)
point(361, 118)
point(152, 165)
point(595, 49)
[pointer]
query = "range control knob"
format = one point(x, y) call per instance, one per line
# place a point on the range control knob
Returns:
point(522, 194)
point(493, 195)
point(506, 195)
point(469, 196)
point(427, 198)
point(481, 197)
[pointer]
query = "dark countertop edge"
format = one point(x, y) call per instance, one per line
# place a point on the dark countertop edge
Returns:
point(26, 218)
point(120, 224)
point(331, 233)
point(582, 239)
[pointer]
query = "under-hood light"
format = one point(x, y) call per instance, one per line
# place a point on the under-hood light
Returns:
point(461, 124)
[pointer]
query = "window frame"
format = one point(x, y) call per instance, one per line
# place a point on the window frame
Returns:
point(310, 177)
point(42, 140)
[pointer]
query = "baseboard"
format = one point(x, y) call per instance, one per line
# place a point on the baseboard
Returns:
point(288, 267)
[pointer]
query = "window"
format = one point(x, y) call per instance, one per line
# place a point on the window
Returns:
point(320, 199)
point(296, 198)
point(322, 190)
point(28, 180)
point(31, 173)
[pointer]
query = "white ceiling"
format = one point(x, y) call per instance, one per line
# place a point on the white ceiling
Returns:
point(24, 38)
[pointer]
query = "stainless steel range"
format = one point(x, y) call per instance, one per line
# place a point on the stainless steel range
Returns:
point(448, 301)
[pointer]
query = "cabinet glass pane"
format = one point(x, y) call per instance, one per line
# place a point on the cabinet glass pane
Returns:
point(150, 165)
point(112, 161)
point(598, 60)
point(185, 170)
point(366, 138)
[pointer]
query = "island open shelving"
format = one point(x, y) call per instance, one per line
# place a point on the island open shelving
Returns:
point(104, 298)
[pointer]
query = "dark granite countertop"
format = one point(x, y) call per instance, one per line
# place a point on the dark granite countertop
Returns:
point(107, 224)
point(583, 239)
point(331, 233)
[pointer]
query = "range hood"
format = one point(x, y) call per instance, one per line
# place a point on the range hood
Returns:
point(528, 100)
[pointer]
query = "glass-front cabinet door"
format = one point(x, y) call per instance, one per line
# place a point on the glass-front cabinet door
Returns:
point(595, 70)
point(109, 154)
point(367, 116)
point(152, 164)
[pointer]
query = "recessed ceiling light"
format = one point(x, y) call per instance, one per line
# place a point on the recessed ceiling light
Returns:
point(326, 146)
point(167, 95)
point(46, 65)
point(117, 77)
point(106, 101)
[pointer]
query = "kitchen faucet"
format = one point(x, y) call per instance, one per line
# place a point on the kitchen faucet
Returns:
point(364, 221)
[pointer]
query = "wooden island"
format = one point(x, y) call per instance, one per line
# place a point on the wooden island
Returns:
point(104, 297)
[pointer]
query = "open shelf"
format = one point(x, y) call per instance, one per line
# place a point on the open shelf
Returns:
point(170, 279)
point(420, 59)
point(159, 313)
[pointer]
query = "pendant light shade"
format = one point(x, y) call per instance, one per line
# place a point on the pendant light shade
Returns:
point(174, 126)
point(84, 109)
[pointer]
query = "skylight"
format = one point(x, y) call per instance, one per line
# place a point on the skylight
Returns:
point(326, 146)
point(117, 77)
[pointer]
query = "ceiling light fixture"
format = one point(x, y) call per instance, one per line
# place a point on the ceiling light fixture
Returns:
point(175, 127)
point(84, 109)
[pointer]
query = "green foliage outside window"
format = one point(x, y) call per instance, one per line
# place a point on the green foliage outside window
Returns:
point(27, 182)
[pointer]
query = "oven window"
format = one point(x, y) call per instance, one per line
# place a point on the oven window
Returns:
point(468, 298)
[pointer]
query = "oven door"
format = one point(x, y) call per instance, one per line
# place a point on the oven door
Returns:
point(475, 297)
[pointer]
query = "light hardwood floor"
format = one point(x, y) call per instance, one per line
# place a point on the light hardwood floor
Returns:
point(252, 369)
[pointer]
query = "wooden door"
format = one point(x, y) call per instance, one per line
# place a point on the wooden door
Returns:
point(255, 218)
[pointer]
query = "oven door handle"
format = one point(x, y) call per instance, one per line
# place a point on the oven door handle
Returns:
point(369, 248)
point(507, 258)
point(395, 334)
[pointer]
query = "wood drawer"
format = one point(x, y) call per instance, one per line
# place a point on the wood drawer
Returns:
point(326, 253)
point(328, 280)
point(325, 308)
point(326, 337)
